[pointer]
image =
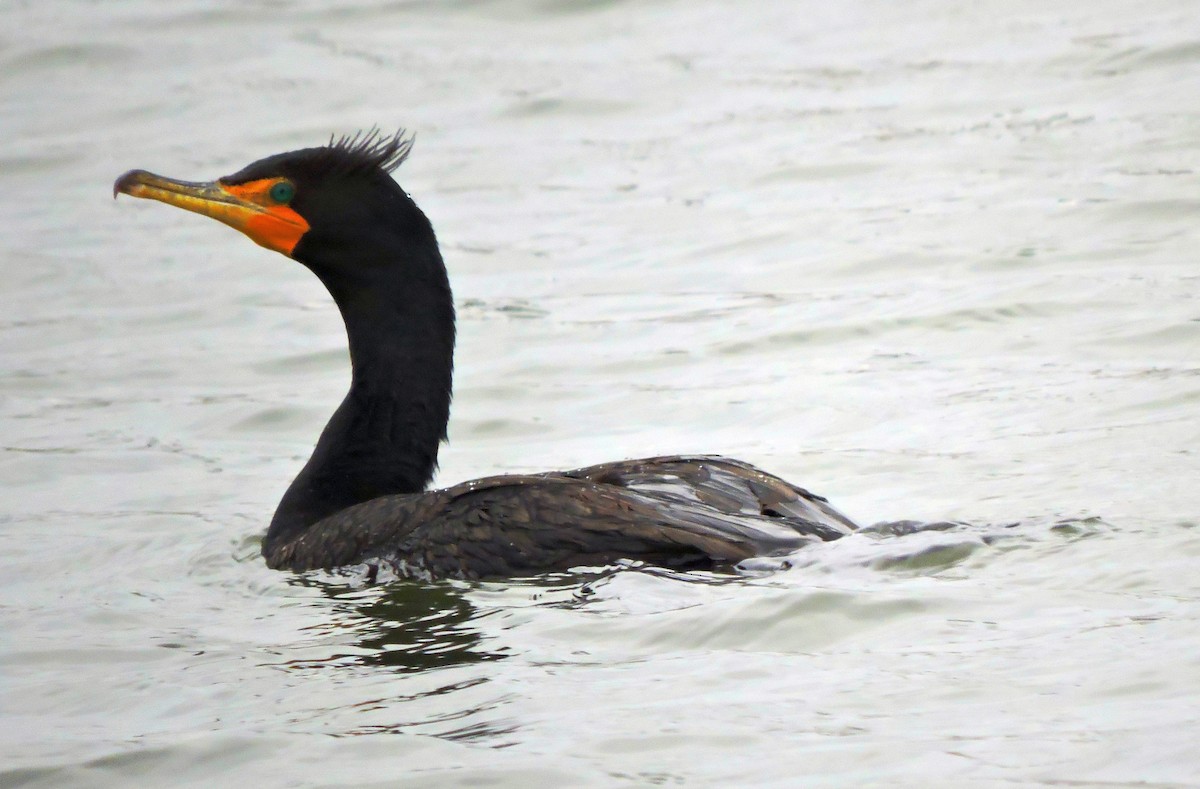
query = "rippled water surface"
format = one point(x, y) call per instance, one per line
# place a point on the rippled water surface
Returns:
point(932, 259)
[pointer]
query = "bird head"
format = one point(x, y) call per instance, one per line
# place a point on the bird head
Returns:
point(334, 208)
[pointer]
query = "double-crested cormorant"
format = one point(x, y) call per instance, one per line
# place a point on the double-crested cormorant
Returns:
point(361, 497)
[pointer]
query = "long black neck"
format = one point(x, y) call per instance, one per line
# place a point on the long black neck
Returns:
point(383, 439)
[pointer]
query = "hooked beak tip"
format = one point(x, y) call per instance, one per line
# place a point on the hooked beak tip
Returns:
point(127, 181)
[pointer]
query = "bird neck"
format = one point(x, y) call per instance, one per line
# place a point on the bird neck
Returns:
point(383, 439)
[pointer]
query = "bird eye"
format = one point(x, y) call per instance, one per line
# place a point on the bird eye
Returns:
point(283, 192)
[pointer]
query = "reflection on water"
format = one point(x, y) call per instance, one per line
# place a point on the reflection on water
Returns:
point(404, 625)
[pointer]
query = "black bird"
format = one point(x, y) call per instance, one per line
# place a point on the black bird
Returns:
point(361, 497)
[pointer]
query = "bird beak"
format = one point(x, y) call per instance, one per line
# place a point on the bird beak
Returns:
point(246, 207)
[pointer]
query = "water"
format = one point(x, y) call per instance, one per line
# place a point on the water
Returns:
point(933, 260)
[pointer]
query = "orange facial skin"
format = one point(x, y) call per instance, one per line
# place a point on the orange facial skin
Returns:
point(246, 207)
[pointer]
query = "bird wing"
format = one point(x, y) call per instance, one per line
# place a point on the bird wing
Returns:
point(512, 526)
point(727, 485)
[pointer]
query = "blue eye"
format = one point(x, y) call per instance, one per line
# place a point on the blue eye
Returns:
point(283, 192)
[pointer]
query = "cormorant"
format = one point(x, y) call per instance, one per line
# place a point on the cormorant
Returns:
point(362, 497)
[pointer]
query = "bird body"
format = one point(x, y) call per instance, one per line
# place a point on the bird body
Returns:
point(671, 511)
point(362, 496)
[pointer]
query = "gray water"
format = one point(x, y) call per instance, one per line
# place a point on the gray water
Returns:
point(932, 259)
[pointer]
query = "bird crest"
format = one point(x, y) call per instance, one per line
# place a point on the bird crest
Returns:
point(367, 150)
